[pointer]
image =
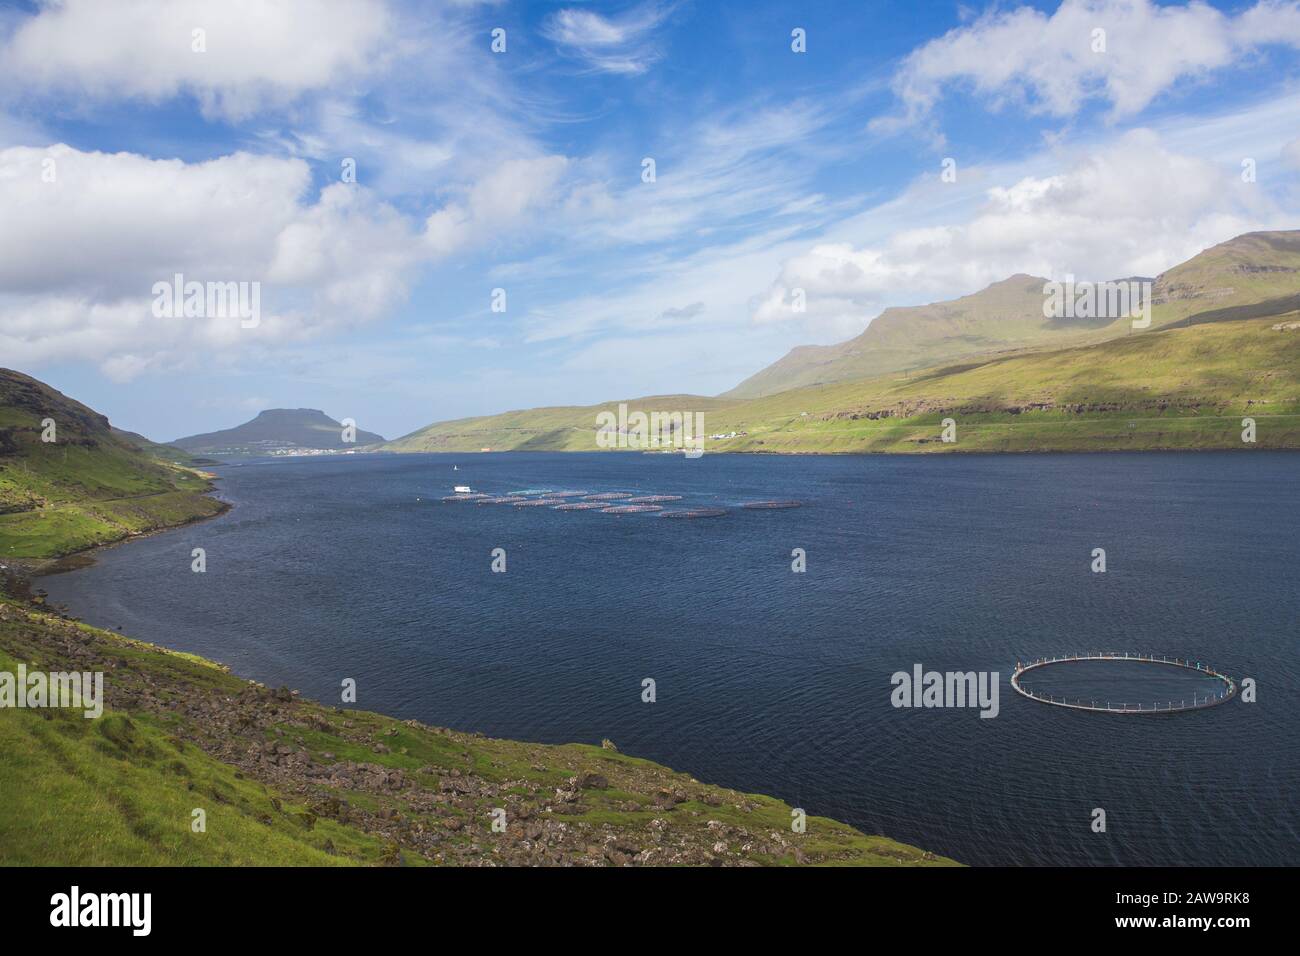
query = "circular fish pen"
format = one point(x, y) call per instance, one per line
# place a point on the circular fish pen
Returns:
point(566, 494)
point(470, 497)
point(529, 491)
point(695, 513)
point(771, 505)
point(652, 499)
point(507, 500)
point(608, 496)
point(629, 509)
point(1219, 690)
point(538, 502)
point(580, 506)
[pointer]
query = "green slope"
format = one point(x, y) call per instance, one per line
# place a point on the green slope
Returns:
point(1178, 388)
point(168, 453)
point(1257, 269)
point(1006, 315)
point(1181, 387)
point(285, 781)
point(90, 486)
point(559, 428)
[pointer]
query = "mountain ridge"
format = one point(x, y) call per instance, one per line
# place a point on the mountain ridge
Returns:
point(1222, 343)
point(1007, 315)
point(278, 428)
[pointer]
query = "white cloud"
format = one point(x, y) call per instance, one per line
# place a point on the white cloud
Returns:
point(258, 54)
point(744, 173)
point(1048, 64)
point(492, 205)
point(108, 217)
point(1291, 154)
point(609, 44)
point(1131, 207)
point(79, 255)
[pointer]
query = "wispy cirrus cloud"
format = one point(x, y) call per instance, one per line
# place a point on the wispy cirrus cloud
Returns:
point(1128, 206)
point(620, 44)
point(1052, 64)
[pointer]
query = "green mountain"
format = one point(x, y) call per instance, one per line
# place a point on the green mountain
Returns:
point(278, 429)
point(1224, 345)
point(89, 484)
point(1006, 315)
point(171, 453)
point(1255, 274)
point(1174, 388)
point(558, 428)
point(1179, 387)
point(1257, 268)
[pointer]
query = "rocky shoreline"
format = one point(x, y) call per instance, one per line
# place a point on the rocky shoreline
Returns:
point(425, 794)
point(421, 793)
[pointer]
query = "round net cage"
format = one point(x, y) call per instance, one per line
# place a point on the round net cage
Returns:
point(1122, 682)
point(695, 513)
point(630, 509)
point(771, 505)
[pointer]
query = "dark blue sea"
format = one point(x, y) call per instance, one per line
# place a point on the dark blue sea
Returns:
point(778, 682)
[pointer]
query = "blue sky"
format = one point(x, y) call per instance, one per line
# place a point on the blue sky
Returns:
point(522, 171)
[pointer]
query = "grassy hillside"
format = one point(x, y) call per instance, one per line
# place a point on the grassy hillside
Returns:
point(1187, 386)
point(1182, 388)
point(90, 486)
point(1259, 270)
point(560, 428)
point(284, 781)
point(1007, 315)
point(168, 453)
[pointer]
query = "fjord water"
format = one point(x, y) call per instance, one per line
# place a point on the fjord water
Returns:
point(772, 681)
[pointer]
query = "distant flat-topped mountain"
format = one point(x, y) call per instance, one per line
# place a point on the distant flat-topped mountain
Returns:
point(279, 430)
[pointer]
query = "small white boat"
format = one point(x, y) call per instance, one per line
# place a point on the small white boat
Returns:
point(462, 489)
